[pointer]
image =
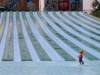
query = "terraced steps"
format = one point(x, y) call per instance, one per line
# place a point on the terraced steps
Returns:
point(48, 36)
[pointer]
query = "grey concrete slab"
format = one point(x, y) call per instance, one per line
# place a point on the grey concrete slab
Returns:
point(50, 68)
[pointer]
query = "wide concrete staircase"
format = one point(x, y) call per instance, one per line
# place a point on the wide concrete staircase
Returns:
point(48, 36)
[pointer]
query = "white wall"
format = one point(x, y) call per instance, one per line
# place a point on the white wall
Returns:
point(87, 5)
point(41, 5)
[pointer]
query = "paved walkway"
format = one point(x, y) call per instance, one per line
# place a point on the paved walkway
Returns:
point(49, 68)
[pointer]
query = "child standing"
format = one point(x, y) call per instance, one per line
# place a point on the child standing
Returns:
point(80, 57)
